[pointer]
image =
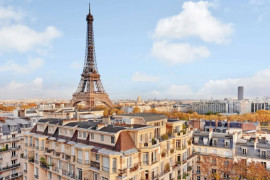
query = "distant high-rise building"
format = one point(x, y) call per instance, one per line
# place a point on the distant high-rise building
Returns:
point(139, 99)
point(240, 93)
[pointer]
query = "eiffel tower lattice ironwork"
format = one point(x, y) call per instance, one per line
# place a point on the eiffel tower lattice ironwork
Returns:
point(90, 89)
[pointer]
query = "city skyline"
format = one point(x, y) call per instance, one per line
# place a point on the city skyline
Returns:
point(177, 49)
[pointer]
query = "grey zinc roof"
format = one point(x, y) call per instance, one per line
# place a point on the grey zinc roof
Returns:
point(112, 129)
point(83, 124)
point(148, 117)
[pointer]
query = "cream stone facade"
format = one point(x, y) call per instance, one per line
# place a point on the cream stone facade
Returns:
point(11, 147)
point(93, 150)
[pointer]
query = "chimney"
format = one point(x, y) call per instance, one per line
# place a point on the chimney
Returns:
point(100, 125)
point(255, 143)
point(106, 120)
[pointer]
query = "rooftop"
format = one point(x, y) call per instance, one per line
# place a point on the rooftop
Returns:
point(148, 117)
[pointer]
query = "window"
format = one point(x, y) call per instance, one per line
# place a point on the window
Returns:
point(106, 164)
point(72, 150)
point(145, 158)
point(227, 143)
point(70, 132)
point(53, 145)
point(154, 156)
point(214, 142)
point(36, 172)
point(103, 178)
point(62, 147)
point(112, 140)
point(25, 167)
point(80, 134)
point(95, 176)
point(50, 175)
point(198, 177)
point(86, 157)
point(80, 156)
point(65, 131)
point(13, 162)
point(129, 161)
point(97, 157)
point(263, 154)
point(13, 153)
point(59, 164)
point(114, 165)
point(59, 177)
point(198, 169)
point(102, 137)
point(214, 162)
point(244, 151)
point(92, 136)
point(178, 144)
point(84, 134)
point(13, 135)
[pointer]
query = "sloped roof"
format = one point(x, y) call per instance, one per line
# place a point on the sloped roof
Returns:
point(124, 142)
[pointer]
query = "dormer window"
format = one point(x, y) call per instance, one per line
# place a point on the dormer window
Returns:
point(214, 142)
point(102, 137)
point(84, 134)
point(227, 143)
point(244, 151)
point(263, 154)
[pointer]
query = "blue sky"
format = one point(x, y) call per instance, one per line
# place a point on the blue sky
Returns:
point(155, 48)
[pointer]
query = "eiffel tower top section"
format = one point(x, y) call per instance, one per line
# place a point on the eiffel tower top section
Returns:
point(90, 65)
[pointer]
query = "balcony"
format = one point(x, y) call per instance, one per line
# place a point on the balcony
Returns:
point(31, 159)
point(9, 167)
point(68, 174)
point(55, 169)
point(95, 164)
point(135, 167)
point(106, 169)
point(15, 175)
point(57, 154)
point(122, 172)
point(67, 157)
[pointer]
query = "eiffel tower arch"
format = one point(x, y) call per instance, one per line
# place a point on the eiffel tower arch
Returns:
point(90, 89)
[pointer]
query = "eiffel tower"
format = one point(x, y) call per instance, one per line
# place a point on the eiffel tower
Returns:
point(90, 89)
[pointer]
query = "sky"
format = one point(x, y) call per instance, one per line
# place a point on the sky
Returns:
point(171, 49)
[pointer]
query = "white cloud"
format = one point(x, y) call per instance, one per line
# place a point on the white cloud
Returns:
point(17, 36)
point(22, 38)
point(255, 86)
point(194, 21)
point(20, 90)
point(178, 53)
point(33, 89)
point(10, 13)
point(32, 65)
point(139, 77)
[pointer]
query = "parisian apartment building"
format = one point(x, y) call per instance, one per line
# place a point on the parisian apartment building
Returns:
point(140, 146)
point(11, 139)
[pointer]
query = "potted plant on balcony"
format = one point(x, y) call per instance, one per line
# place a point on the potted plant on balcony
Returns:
point(163, 154)
point(167, 167)
point(164, 137)
point(154, 141)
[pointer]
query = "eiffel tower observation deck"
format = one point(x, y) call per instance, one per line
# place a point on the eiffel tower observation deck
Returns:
point(90, 89)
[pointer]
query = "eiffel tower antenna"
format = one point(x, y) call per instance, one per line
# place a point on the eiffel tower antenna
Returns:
point(90, 89)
